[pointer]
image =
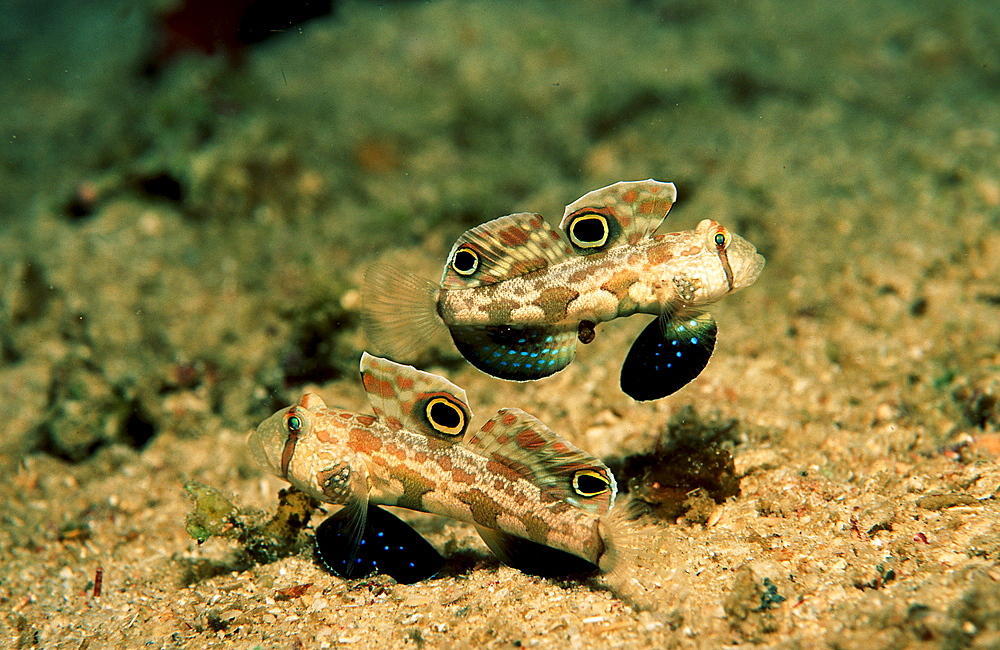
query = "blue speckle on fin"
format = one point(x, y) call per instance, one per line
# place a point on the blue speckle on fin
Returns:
point(645, 377)
point(539, 350)
point(408, 557)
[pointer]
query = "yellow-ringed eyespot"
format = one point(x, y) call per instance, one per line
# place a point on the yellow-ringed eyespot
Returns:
point(589, 230)
point(445, 416)
point(465, 261)
point(590, 483)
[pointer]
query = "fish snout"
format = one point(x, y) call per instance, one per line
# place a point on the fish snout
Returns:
point(745, 261)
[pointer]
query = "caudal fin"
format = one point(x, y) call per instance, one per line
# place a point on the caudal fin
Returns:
point(630, 552)
point(399, 312)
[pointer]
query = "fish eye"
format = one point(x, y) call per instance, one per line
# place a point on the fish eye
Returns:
point(721, 239)
point(465, 261)
point(445, 416)
point(589, 483)
point(589, 230)
point(293, 423)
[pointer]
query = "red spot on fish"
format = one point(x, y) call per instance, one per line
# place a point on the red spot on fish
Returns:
point(393, 423)
point(629, 197)
point(513, 236)
point(529, 439)
point(394, 450)
point(404, 383)
point(366, 420)
point(658, 206)
point(459, 475)
point(364, 441)
point(508, 418)
point(379, 387)
point(444, 462)
point(488, 426)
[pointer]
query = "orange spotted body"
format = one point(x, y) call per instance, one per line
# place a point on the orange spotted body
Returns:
point(513, 476)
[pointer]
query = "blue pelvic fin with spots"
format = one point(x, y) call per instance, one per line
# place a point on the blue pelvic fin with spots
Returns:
point(667, 355)
point(517, 353)
point(387, 545)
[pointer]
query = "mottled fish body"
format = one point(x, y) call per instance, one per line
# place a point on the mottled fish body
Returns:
point(527, 490)
point(517, 295)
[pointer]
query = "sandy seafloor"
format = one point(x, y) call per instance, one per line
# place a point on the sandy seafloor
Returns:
point(180, 255)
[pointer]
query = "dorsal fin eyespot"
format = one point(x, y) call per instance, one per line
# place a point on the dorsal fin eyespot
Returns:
point(406, 398)
point(621, 213)
point(444, 414)
point(589, 483)
point(501, 249)
point(465, 261)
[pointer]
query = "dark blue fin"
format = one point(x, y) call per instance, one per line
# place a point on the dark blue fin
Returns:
point(518, 353)
point(387, 545)
point(667, 355)
point(534, 558)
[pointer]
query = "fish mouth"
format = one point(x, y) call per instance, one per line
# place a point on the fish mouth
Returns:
point(746, 263)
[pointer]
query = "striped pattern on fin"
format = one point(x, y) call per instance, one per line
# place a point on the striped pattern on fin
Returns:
point(667, 355)
point(517, 353)
point(387, 545)
point(406, 398)
point(502, 249)
point(518, 445)
point(534, 558)
point(399, 311)
point(628, 210)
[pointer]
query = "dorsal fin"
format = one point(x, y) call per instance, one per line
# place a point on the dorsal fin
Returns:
point(518, 442)
point(624, 212)
point(406, 398)
point(502, 249)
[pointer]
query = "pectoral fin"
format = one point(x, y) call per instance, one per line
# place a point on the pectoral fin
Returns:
point(667, 355)
point(387, 544)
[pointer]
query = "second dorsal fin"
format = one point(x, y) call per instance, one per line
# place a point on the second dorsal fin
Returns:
point(517, 443)
point(406, 398)
point(502, 249)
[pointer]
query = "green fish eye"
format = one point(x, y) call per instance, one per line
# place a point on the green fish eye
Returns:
point(720, 239)
point(293, 423)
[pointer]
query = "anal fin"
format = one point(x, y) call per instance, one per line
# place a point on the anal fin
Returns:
point(517, 353)
point(387, 544)
point(667, 355)
point(534, 558)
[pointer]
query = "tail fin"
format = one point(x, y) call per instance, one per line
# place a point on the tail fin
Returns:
point(399, 312)
point(629, 548)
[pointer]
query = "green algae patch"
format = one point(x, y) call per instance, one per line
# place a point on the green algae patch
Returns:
point(259, 539)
